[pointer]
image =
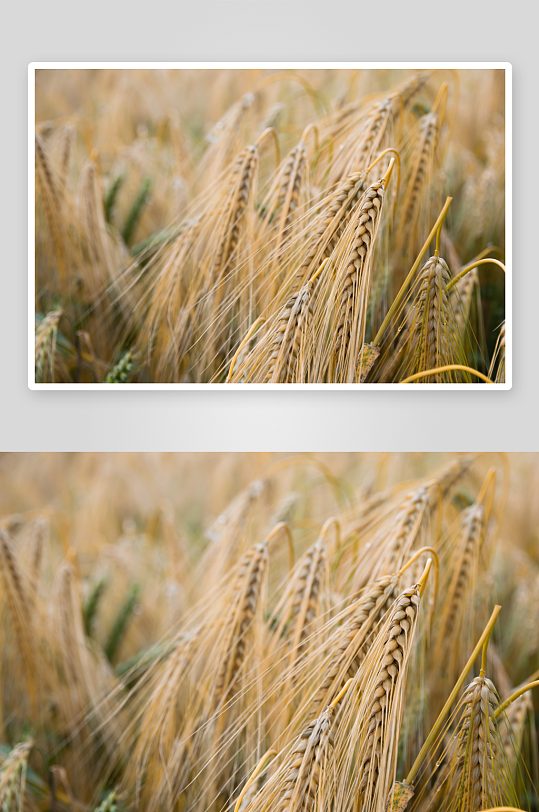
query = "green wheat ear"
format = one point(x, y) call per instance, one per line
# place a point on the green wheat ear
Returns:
point(117, 633)
point(46, 336)
point(124, 370)
point(136, 210)
point(109, 803)
point(134, 668)
point(13, 775)
point(89, 610)
point(111, 195)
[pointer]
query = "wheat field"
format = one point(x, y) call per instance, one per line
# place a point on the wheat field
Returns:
point(255, 632)
point(278, 227)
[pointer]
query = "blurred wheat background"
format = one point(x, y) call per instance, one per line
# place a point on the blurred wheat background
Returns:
point(264, 226)
point(268, 632)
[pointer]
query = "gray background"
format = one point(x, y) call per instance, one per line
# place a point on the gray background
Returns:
point(288, 420)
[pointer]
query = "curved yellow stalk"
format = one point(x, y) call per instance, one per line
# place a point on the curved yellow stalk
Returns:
point(256, 772)
point(325, 527)
point(436, 561)
point(427, 372)
point(473, 265)
point(516, 695)
point(263, 136)
point(284, 527)
point(252, 328)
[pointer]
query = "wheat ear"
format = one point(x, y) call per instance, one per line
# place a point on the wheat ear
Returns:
point(421, 171)
point(300, 778)
point(351, 641)
point(248, 582)
point(348, 293)
point(479, 769)
point(331, 224)
point(386, 684)
point(435, 330)
point(21, 617)
point(472, 535)
point(286, 360)
point(498, 359)
point(54, 201)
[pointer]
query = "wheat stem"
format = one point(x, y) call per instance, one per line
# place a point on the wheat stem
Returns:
point(484, 653)
point(243, 343)
point(514, 696)
point(469, 268)
point(256, 772)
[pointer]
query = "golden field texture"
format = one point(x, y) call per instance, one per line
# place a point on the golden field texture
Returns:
point(269, 632)
point(255, 226)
